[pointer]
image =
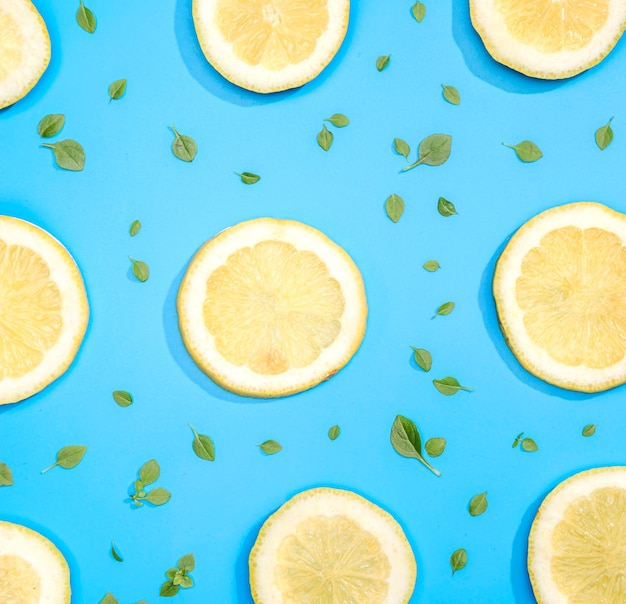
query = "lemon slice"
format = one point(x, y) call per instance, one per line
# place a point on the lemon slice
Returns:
point(331, 546)
point(577, 543)
point(271, 307)
point(32, 569)
point(270, 45)
point(24, 49)
point(43, 309)
point(549, 39)
point(560, 291)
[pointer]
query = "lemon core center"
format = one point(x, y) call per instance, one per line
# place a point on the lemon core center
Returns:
point(19, 582)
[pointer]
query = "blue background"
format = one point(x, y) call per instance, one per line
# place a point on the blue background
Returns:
point(133, 343)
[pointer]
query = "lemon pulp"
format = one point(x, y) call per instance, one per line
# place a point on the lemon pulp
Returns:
point(11, 43)
point(19, 582)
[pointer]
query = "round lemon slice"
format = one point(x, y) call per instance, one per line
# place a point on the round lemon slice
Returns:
point(331, 546)
point(270, 45)
point(271, 307)
point(549, 39)
point(43, 309)
point(32, 569)
point(24, 49)
point(560, 292)
point(577, 543)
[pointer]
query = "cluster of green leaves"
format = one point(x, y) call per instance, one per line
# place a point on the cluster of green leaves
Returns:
point(526, 444)
point(325, 137)
point(148, 474)
point(406, 440)
point(178, 576)
point(68, 154)
point(68, 457)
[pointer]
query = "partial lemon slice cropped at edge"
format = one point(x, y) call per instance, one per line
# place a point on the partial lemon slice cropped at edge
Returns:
point(24, 49)
point(32, 569)
point(271, 307)
point(560, 292)
point(270, 45)
point(549, 39)
point(330, 546)
point(578, 539)
point(43, 309)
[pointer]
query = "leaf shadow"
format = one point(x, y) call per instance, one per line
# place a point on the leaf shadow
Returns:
point(520, 581)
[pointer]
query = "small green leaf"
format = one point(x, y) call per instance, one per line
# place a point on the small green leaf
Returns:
point(51, 125)
point(149, 472)
point(183, 147)
point(158, 496)
point(168, 589)
point(401, 147)
point(186, 581)
point(122, 398)
point(248, 178)
point(588, 430)
point(527, 151)
point(445, 309)
point(270, 447)
point(68, 457)
point(203, 445)
point(434, 150)
point(435, 446)
point(187, 563)
point(446, 208)
point(419, 11)
point(458, 560)
point(85, 18)
point(68, 154)
point(325, 138)
point(6, 476)
point(478, 504)
point(431, 266)
point(172, 572)
point(423, 358)
point(604, 136)
point(382, 62)
point(517, 440)
point(115, 553)
point(451, 94)
point(405, 439)
point(140, 269)
point(109, 598)
point(394, 206)
point(117, 90)
point(338, 119)
point(135, 227)
point(528, 444)
point(333, 432)
point(449, 386)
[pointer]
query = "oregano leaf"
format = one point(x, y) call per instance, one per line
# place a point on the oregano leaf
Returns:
point(423, 358)
point(109, 598)
point(529, 445)
point(382, 62)
point(405, 439)
point(85, 18)
point(6, 476)
point(449, 386)
point(526, 151)
point(517, 440)
point(51, 125)
point(140, 269)
point(68, 457)
point(435, 446)
point(401, 147)
point(445, 309)
point(117, 89)
point(478, 504)
point(434, 150)
point(451, 94)
point(183, 147)
point(431, 266)
point(333, 432)
point(338, 120)
point(604, 135)
point(68, 154)
point(248, 178)
point(446, 208)
point(187, 562)
point(588, 430)
point(419, 11)
point(115, 553)
point(270, 447)
point(394, 206)
point(149, 472)
point(203, 445)
point(325, 138)
point(458, 559)
point(135, 227)
point(158, 496)
point(168, 589)
point(123, 398)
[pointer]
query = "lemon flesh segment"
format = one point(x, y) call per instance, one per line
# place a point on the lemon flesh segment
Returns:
point(43, 309)
point(271, 307)
point(577, 543)
point(549, 39)
point(560, 291)
point(24, 49)
point(331, 546)
point(270, 45)
point(32, 569)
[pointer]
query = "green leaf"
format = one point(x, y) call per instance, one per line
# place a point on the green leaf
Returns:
point(458, 560)
point(187, 562)
point(109, 598)
point(6, 476)
point(604, 135)
point(135, 227)
point(451, 94)
point(172, 572)
point(158, 496)
point(449, 386)
point(401, 147)
point(528, 444)
point(434, 150)
point(115, 553)
point(203, 445)
point(423, 358)
point(117, 90)
point(168, 589)
point(51, 125)
point(588, 430)
point(527, 151)
point(382, 62)
point(405, 439)
point(68, 457)
point(431, 266)
point(325, 138)
point(517, 440)
point(122, 398)
point(186, 581)
point(270, 447)
point(183, 147)
point(338, 119)
point(419, 11)
point(248, 178)
point(68, 154)
point(149, 472)
point(478, 504)
point(140, 269)
point(85, 18)
point(435, 446)
point(394, 206)
point(333, 432)
point(446, 208)
point(445, 309)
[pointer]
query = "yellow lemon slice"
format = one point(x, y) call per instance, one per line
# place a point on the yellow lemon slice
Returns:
point(24, 49)
point(270, 45)
point(577, 543)
point(331, 546)
point(32, 569)
point(560, 291)
point(271, 307)
point(43, 309)
point(549, 39)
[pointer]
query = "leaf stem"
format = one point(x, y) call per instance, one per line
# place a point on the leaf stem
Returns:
point(56, 463)
point(414, 164)
point(175, 131)
point(433, 470)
